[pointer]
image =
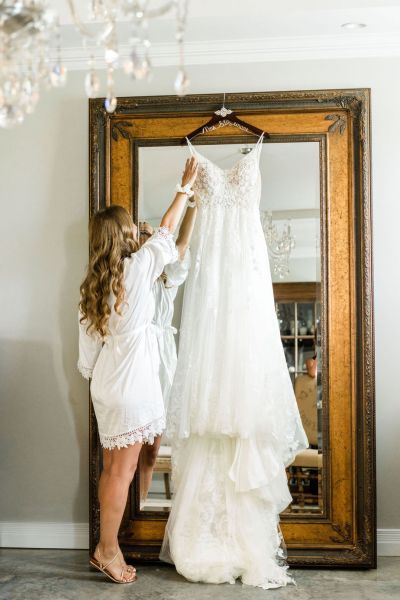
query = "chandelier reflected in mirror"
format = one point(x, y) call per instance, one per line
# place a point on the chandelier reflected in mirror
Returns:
point(27, 29)
point(279, 243)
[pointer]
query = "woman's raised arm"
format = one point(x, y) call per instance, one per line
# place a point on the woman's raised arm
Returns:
point(175, 211)
point(186, 230)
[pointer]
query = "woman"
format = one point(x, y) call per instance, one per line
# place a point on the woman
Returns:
point(118, 350)
point(165, 290)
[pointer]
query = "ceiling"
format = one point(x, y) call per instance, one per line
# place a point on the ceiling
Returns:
point(258, 30)
point(304, 14)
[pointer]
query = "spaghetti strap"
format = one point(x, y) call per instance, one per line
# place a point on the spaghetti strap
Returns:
point(260, 139)
point(259, 144)
point(191, 147)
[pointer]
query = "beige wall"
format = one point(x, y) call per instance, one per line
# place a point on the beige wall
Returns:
point(43, 191)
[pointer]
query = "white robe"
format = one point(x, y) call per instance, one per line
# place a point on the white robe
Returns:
point(164, 297)
point(125, 387)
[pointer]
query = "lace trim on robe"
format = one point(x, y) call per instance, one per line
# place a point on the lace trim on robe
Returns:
point(143, 435)
point(165, 234)
point(84, 371)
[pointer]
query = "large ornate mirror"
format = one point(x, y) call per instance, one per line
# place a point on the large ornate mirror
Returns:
point(315, 213)
point(290, 204)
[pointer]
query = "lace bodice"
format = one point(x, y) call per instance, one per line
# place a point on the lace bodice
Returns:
point(239, 186)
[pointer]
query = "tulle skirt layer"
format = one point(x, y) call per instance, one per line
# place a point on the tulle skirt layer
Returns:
point(215, 532)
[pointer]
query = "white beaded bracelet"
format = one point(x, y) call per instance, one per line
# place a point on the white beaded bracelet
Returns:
point(191, 203)
point(185, 189)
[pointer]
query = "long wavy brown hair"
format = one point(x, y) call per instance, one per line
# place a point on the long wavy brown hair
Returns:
point(111, 239)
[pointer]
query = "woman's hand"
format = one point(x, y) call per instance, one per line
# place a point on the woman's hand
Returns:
point(174, 213)
point(190, 172)
point(145, 228)
point(145, 231)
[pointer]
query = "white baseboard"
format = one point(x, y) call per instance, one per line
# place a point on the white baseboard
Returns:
point(76, 536)
point(388, 542)
point(44, 535)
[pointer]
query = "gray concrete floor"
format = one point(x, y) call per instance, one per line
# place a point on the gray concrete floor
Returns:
point(65, 575)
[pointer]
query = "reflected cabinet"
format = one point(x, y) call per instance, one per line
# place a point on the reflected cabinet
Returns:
point(298, 309)
point(315, 170)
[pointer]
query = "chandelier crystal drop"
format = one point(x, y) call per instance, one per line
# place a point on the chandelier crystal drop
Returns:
point(27, 28)
point(182, 83)
point(280, 244)
point(110, 102)
point(92, 82)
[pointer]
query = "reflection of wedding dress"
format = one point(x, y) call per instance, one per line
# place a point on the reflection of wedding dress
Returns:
point(233, 417)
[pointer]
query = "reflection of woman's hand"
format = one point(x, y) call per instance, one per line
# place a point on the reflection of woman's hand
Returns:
point(145, 228)
point(311, 366)
point(190, 172)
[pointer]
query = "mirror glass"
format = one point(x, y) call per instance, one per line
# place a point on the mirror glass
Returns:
point(290, 216)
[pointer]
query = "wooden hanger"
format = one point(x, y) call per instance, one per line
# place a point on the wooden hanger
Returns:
point(221, 117)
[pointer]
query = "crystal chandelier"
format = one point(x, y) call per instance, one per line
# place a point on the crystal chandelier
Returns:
point(27, 28)
point(138, 65)
point(279, 245)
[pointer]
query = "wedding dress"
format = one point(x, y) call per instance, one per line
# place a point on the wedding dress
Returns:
point(233, 419)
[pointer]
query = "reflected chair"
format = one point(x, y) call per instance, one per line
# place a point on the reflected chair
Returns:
point(307, 466)
point(163, 465)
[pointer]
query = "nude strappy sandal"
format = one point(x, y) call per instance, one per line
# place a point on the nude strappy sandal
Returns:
point(97, 564)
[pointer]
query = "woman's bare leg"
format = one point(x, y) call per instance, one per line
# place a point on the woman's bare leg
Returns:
point(119, 467)
point(107, 455)
point(148, 457)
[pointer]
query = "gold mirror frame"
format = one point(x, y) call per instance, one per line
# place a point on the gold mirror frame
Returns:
point(344, 534)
